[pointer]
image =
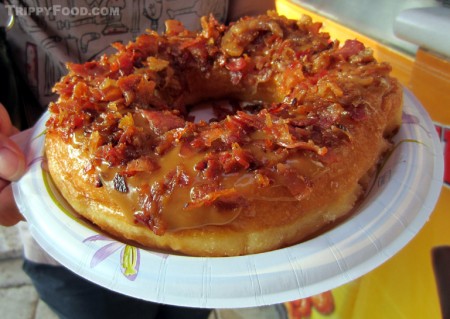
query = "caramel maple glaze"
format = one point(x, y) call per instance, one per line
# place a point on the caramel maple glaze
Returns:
point(125, 153)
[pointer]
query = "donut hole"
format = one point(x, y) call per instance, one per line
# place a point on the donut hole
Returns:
point(216, 110)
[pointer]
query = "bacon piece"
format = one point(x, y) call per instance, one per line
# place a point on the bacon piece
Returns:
point(156, 65)
point(197, 48)
point(243, 32)
point(127, 85)
point(174, 27)
point(163, 121)
point(315, 27)
point(236, 64)
point(207, 137)
point(147, 44)
point(241, 156)
point(88, 69)
point(125, 62)
point(350, 47)
point(226, 162)
point(249, 120)
point(231, 163)
point(113, 155)
point(142, 164)
point(235, 131)
point(213, 168)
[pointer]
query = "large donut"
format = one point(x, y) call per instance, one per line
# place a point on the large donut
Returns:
point(125, 152)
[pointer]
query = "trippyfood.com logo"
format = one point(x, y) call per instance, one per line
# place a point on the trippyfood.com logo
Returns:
point(56, 9)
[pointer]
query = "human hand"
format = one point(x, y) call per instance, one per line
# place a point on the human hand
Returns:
point(12, 167)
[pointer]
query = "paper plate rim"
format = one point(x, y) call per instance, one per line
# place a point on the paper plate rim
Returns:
point(299, 271)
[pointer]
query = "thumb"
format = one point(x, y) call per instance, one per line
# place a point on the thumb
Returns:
point(6, 126)
point(12, 160)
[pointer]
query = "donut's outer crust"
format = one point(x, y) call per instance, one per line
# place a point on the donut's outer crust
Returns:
point(269, 225)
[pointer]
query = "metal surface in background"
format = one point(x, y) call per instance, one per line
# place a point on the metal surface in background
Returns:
point(372, 18)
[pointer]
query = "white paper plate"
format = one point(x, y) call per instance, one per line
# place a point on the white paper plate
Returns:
point(402, 197)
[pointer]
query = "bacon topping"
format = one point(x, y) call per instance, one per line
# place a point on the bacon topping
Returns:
point(163, 121)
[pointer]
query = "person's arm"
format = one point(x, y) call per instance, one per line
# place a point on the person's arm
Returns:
point(240, 8)
point(12, 166)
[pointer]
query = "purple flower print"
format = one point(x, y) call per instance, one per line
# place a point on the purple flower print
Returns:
point(129, 256)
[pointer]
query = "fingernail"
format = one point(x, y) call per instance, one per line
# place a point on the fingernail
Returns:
point(11, 166)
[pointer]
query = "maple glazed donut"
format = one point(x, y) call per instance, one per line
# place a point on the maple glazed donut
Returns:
point(308, 122)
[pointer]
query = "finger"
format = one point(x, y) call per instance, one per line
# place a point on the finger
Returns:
point(12, 160)
point(6, 126)
point(9, 213)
